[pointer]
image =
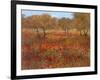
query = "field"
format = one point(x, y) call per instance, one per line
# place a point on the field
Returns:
point(56, 50)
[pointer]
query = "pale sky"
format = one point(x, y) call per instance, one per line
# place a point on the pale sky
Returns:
point(57, 14)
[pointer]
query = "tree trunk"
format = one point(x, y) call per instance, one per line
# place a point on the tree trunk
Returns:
point(44, 33)
point(40, 40)
point(38, 35)
point(85, 32)
point(81, 33)
point(65, 32)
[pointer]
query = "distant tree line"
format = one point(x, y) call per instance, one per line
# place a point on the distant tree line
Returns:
point(80, 22)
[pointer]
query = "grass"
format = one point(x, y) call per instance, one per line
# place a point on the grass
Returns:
point(54, 51)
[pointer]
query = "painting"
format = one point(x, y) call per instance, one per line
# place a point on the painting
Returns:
point(53, 39)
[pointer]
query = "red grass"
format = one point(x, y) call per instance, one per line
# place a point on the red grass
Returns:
point(57, 50)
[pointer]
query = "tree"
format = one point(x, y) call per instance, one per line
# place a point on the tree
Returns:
point(82, 22)
point(27, 22)
point(65, 24)
point(46, 22)
point(39, 22)
point(35, 21)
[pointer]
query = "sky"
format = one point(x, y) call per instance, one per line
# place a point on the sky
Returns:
point(56, 14)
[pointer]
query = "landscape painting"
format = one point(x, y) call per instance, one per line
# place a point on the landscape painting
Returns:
point(54, 39)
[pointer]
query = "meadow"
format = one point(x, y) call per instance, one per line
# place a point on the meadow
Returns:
point(55, 50)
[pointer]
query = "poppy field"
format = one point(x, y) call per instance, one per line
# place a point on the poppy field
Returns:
point(55, 51)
